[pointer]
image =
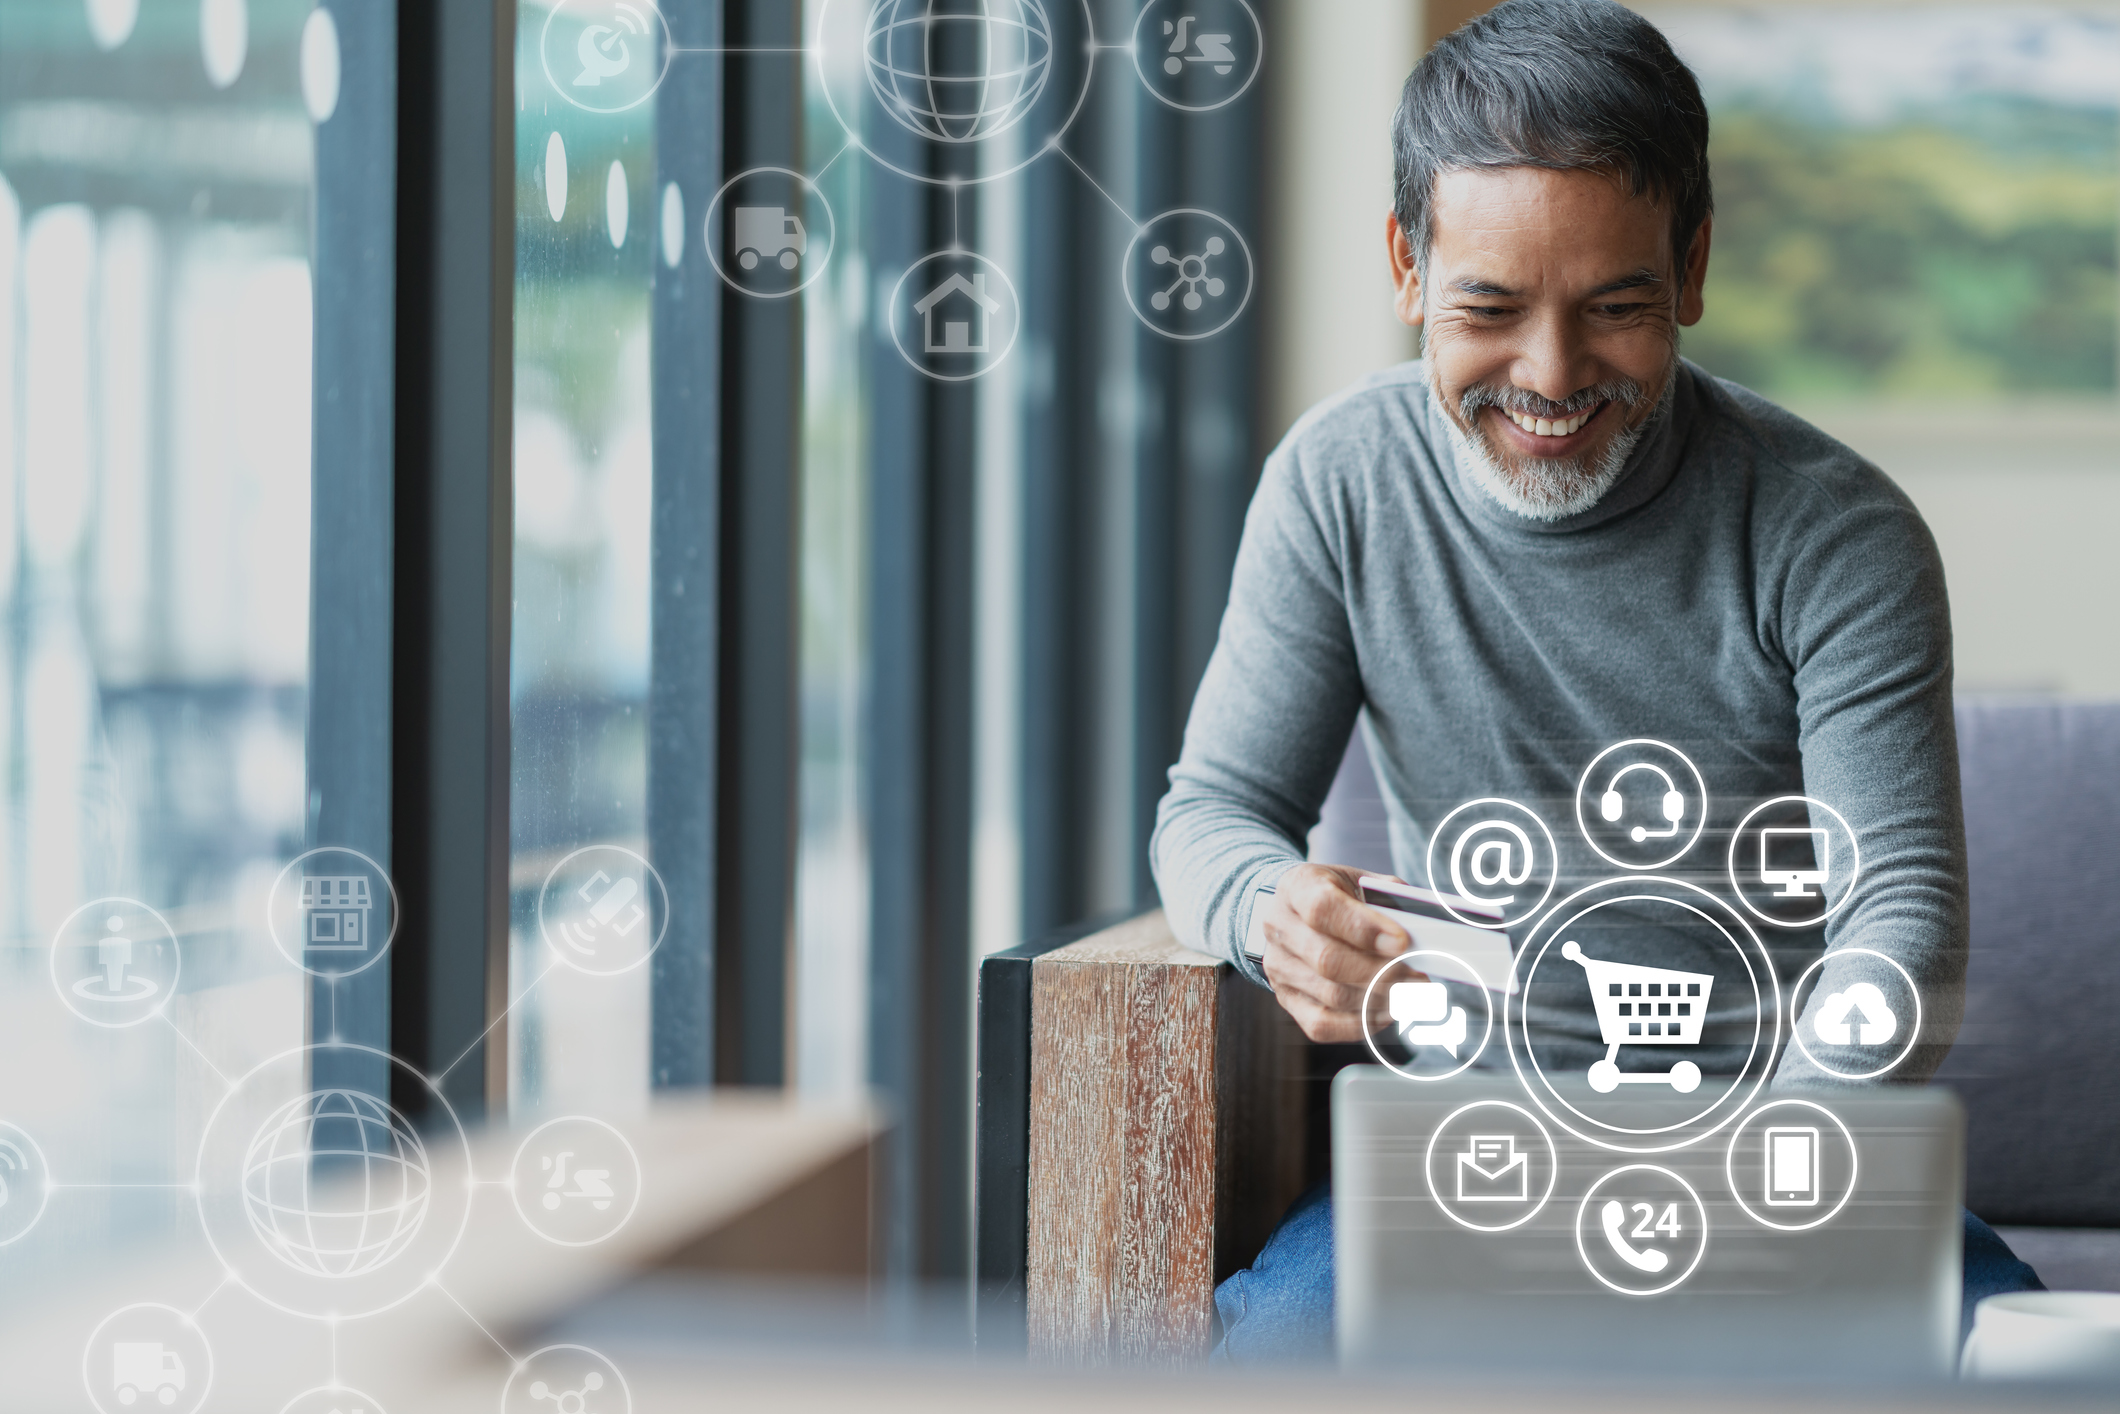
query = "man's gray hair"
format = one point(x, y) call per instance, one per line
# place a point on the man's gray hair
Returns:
point(1568, 85)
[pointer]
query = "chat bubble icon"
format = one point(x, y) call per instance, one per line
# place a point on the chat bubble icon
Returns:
point(1413, 1002)
point(1426, 1017)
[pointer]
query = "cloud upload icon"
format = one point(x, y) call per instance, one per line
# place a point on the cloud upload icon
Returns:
point(1879, 1022)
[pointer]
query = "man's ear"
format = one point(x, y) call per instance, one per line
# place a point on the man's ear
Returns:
point(1405, 272)
point(1691, 305)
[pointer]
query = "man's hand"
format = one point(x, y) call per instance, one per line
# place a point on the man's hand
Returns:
point(1323, 945)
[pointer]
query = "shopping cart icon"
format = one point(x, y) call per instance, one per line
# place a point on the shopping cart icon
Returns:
point(1644, 1006)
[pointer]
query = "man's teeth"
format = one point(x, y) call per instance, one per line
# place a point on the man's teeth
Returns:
point(1548, 427)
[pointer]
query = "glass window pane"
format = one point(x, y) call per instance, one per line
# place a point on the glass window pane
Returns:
point(585, 226)
point(155, 355)
point(832, 878)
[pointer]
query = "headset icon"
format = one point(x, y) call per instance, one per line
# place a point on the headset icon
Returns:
point(1612, 806)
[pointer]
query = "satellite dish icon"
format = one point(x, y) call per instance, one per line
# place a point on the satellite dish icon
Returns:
point(602, 49)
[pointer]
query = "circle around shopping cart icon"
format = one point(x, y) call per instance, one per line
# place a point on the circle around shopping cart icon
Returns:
point(1427, 1018)
point(1647, 1232)
point(1638, 1005)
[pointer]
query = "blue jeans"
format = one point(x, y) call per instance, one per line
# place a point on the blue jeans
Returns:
point(1280, 1307)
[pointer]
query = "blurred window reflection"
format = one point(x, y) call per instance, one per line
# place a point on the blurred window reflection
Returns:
point(578, 682)
point(155, 197)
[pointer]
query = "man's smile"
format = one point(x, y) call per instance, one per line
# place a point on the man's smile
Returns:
point(1545, 437)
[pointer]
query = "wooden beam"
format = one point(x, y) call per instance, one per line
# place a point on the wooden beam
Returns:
point(1165, 1142)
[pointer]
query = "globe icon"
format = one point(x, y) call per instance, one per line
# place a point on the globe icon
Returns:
point(958, 70)
point(336, 1183)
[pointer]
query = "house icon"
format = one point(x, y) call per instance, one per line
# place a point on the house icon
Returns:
point(957, 333)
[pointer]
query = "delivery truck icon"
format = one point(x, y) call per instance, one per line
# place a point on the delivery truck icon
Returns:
point(768, 233)
point(145, 1367)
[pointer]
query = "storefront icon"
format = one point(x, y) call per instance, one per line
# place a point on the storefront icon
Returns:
point(336, 909)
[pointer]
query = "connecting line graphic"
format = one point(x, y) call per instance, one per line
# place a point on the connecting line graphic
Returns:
point(332, 1325)
point(444, 1073)
point(164, 1019)
point(1055, 146)
point(737, 49)
point(53, 1186)
point(830, 160)
point(436, 1282)
point(227, 1280)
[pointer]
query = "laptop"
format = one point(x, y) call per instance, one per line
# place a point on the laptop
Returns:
point(1816, 1236)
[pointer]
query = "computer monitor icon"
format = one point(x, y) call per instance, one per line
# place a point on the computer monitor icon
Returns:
point(1794, 859)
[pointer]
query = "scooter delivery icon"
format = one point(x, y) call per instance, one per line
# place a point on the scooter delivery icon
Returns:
point(591, 1185)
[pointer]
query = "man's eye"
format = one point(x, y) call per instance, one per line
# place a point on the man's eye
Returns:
point(1621, 311)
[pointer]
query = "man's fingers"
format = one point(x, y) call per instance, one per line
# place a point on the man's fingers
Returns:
point(1328, 901)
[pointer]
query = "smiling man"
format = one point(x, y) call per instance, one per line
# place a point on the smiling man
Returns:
point(1550, 535)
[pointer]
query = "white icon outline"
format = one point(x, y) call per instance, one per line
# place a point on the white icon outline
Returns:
point(1162, 256)
point(1700, 810)
point(516, 1184)
point(925, 307)
point(1737, 1190)
point(539, 1392)
point(1758, 1057)
point(1435, 886)
point(332, 1299)
point(1466, 970)
point(191, 1402)
point(566, 90)
point(824, 44)
point(660, 912)
point(1142, 45)
point(1700, 1215)
point(811, 193)
point(1553, 1165)
point(1913, 1032)
point(28, 1162)
point(1744, 826)
point(272, 926)
point(363, 1403)
point(158, 994)
point(893, 101)
point(264, 1156)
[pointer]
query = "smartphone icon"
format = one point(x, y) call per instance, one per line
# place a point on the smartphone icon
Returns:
point(1792, 1167)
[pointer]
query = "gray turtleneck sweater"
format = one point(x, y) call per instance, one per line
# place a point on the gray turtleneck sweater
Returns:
point(1750, 591)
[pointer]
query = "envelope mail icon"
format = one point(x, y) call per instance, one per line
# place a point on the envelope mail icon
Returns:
point(1492, 1171)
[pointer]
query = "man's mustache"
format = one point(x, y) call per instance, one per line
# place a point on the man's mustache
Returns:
point(1510, 398)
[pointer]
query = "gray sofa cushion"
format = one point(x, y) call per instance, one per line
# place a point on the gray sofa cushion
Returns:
point(2069, 1258)
point(2038, 1060)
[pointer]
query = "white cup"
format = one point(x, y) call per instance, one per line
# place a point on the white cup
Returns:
point(2045, 1335)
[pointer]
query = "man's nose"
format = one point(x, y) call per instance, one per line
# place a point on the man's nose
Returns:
point(1553, 361)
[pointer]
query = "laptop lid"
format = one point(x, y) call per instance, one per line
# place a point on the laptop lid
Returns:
point(1816, 1235)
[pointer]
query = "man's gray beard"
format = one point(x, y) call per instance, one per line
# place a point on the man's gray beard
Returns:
point(1549, 488)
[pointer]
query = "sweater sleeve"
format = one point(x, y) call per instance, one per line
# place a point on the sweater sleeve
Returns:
point(1865, 622)
point(1271, 718)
